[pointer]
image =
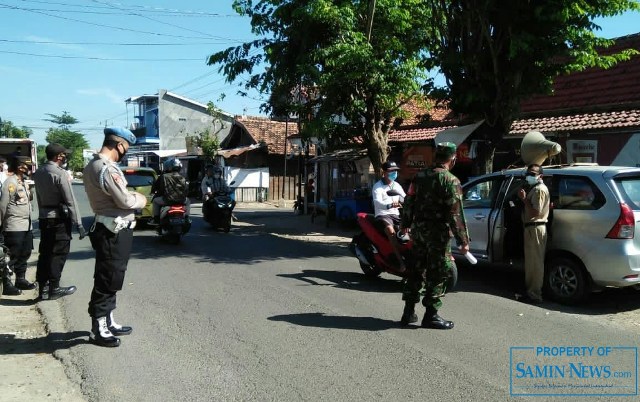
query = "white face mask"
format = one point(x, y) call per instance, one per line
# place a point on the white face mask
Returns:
point(532, 180)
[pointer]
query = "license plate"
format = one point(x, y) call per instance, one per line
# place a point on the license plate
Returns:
point(176, 221)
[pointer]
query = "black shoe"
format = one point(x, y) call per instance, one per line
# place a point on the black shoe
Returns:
point(154, 222)
point(117, 329)
point(529, 300)
point(9, 290)
point(61, 291)
point(100, 334)
point(408, 315)
point(436, 322)
point(23, 284)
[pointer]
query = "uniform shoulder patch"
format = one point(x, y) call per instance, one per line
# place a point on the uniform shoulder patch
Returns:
point(12, 188)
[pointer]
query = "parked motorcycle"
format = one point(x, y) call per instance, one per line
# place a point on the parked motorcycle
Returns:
point(174, 223)
point(218, 210)
point(375, 252)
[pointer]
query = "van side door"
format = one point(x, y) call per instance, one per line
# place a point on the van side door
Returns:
point(479, 201)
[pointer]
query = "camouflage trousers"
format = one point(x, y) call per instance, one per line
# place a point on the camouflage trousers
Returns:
point(430, 274)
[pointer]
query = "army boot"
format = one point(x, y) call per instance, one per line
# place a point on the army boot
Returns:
point(100, 334)
point(7, 286)
point(409, 314)
point(433, 320)
point(22, 282)
point(43, 290)
point(117, 329)
point(56, 291)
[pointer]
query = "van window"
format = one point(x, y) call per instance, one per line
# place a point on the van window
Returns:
point(482, 194)
point(578, 193)
point(630, 190)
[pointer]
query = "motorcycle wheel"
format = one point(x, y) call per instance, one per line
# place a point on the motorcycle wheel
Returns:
point(173, 238)
point(370, 270)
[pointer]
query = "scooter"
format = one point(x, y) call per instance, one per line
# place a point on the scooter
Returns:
point(218, 210)
point(174, 223)
point(375, 252)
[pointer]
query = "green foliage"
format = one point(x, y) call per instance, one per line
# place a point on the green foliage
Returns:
point(495, 53)
point(321, 64)
point(72, 140)
point(63, 121)
point(8, 130)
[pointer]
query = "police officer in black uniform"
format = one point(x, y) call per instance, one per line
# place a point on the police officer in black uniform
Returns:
point(111, 233)
point(58, 212)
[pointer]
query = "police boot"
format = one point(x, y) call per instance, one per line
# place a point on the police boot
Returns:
point(23, 283)
point(433, 320)
point(7, 286)
point(100, 334)
point(56, 291)
point(117, 329)
point(409, 314)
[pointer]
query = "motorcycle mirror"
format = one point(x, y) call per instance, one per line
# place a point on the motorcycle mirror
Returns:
point(392, 193)
point(232, 183)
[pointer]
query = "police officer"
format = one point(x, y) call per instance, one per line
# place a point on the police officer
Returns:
point(58, 211)
point(433, 210)
point(111, 233)
point(15, 214)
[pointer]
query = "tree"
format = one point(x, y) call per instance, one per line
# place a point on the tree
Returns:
point(322, 64)
point(8, 130)
point(496, 53)
point(72, 140)
point(63, 121)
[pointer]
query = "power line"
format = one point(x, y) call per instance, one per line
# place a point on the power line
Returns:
point(110, 26)
point(93, 58)
point(112, 44)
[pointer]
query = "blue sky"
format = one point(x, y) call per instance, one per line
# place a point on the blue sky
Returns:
point(85, 57)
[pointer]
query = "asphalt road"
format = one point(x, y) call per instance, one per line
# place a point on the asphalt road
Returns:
point(260, 314)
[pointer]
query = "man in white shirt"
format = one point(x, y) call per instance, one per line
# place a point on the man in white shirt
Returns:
point(387, 208)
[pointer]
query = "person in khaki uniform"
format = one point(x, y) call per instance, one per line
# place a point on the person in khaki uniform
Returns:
point(15, 215)
point(111, 234)
point(57, 213)
point(536, 213)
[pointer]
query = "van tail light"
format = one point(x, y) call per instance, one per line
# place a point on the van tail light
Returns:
point(625, 225)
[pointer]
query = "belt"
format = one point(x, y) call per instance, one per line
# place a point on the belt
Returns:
point(529, 224)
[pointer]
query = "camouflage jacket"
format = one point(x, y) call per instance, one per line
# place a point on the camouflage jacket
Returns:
point(433, 206)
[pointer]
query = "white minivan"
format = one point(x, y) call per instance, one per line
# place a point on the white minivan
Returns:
point(592, 228)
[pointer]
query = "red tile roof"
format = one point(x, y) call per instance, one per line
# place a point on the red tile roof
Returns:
point(416, 134)
point(595, 88)
point(579, 122)
point(269, 131)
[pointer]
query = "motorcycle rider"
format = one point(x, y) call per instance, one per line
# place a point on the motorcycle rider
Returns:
point(213, 182)
point(170, 188)
point(387, 208)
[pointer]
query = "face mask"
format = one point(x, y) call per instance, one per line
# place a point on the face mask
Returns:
point(120, 154)
point(393, 175)
point(532, 180)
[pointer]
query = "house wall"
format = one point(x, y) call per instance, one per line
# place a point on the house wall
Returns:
point(179, 119)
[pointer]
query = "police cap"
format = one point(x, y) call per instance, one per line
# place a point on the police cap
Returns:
point(447, 149)
point(54, 149)
point(118, 134)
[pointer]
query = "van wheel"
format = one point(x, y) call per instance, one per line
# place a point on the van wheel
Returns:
point(566, 281)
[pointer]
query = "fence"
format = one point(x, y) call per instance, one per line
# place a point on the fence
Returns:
point(276, 184)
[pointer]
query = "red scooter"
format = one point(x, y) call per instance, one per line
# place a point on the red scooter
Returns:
point(375, 252)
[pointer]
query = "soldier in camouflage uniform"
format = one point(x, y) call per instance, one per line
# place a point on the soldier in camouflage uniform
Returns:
point(433, 211)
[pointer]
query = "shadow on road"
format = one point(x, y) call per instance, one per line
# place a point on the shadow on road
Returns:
point(502, 281)
point(9, 344)
point(320, 320)
point(346, 280)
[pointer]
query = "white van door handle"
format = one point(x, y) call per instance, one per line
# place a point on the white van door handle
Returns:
point(479, 217)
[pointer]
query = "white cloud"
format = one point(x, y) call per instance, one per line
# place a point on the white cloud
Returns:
point(103, 92)
point(54, 45)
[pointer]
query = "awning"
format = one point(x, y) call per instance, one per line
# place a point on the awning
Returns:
point(457, 135)
point(341, 155)
point(227, 153)
point(163, 153)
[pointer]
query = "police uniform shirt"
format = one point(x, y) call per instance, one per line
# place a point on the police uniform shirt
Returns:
point(15, 205)
point(53, 189)
point(106, 189)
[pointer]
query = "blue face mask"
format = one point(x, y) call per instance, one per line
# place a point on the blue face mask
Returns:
point(393, 175)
